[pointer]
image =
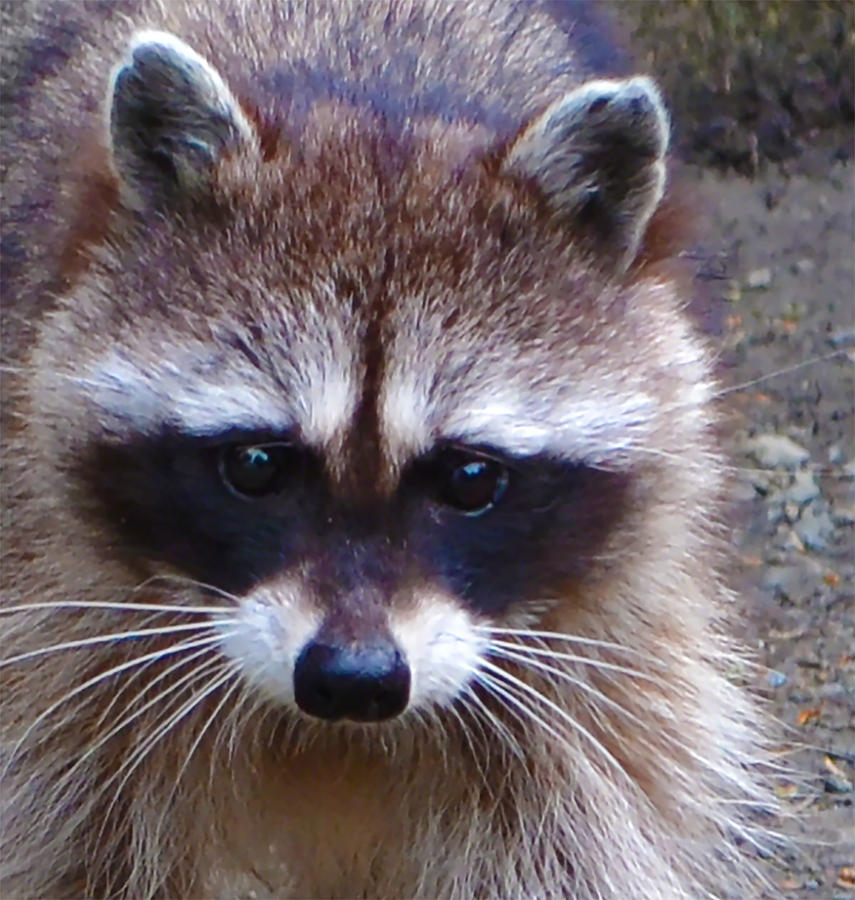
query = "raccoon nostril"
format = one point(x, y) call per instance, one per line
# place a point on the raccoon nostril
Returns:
point(366, 684)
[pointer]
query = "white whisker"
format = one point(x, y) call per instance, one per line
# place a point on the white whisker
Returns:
point(91, 682)
point(481, 709)
point(519, 710)
point(148, 686)
point(116, 605)
point(189, 582)
point(566, 638)
point(473, 750)
point(132, 762)
point(117, 636)
point(528, 650)
point(562, 714)
point(571, 679)
point(230, 672)
point(787, 370)
point(127, 720)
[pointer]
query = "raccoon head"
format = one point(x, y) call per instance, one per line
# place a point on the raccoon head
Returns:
point(377, 402)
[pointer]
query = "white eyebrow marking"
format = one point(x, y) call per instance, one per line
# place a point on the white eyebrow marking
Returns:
point(404, 412)
point(163, 393)
point(208, 395)
point(578, 428)
point(573, 426)
point(327, 402)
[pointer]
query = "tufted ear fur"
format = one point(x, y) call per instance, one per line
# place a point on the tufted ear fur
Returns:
point(171, 117)
point(597, 155)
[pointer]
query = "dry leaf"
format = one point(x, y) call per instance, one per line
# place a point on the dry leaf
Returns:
point(808, 715)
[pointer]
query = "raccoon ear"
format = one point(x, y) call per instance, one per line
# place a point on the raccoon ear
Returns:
point(171, 116)
point(597, 155)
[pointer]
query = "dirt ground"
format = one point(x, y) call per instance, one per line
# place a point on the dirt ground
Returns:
point(765, 89)
point(779, 248)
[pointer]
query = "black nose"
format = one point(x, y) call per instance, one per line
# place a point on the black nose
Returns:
point(367, 684)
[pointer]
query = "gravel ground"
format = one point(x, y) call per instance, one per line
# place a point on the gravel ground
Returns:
point(781, 249)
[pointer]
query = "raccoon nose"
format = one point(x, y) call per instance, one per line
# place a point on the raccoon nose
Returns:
point(366, 684)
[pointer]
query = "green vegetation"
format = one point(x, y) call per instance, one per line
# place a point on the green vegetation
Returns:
point(749, 80)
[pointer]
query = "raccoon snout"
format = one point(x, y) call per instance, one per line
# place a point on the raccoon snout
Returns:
point(362, 683)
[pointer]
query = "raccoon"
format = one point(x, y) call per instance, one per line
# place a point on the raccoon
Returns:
point(361, 478)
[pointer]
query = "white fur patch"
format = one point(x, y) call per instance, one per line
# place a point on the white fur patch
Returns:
point(443, 649)
point(272, 627)
point(326, 404)
point(583, 429)
point(404, 410)
point(577, 427)
point(203, 396)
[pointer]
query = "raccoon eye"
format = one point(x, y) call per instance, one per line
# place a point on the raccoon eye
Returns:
point(470, 483)
point(254, 470)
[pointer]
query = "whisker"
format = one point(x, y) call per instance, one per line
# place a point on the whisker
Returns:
point(130, 765)
point(116, 636)
point(520, 710)
point(510, 739)
point(175, 686)
point(571, 657)
point(91, 682)
point(555, 708)
point(567, 638)
point(154, 681)
point(119, 605)
point(230, 672)
point(234, 722)
point(576, 682)
point(730, 389)
point(455, 711)
point(189, 582)
point(255, 713)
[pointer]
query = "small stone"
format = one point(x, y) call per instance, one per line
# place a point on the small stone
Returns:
point(814, 529)
point(759, 279)
point(762, 482)
point(743, 492)
point(776, 679)
point(779, 578)
point(791, 512)
point(776, 450)
point(804, 266)
point(792, 541)
point(775, 513)
point(842, 338)
point(843, 515)
point(834, 784)
point(803, 488)
point(733, 292)
point(835, 454)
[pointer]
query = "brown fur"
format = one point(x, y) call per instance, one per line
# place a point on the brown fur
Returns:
point(348, 226)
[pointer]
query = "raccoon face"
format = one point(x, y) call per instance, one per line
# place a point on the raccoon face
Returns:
point(374, 404)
